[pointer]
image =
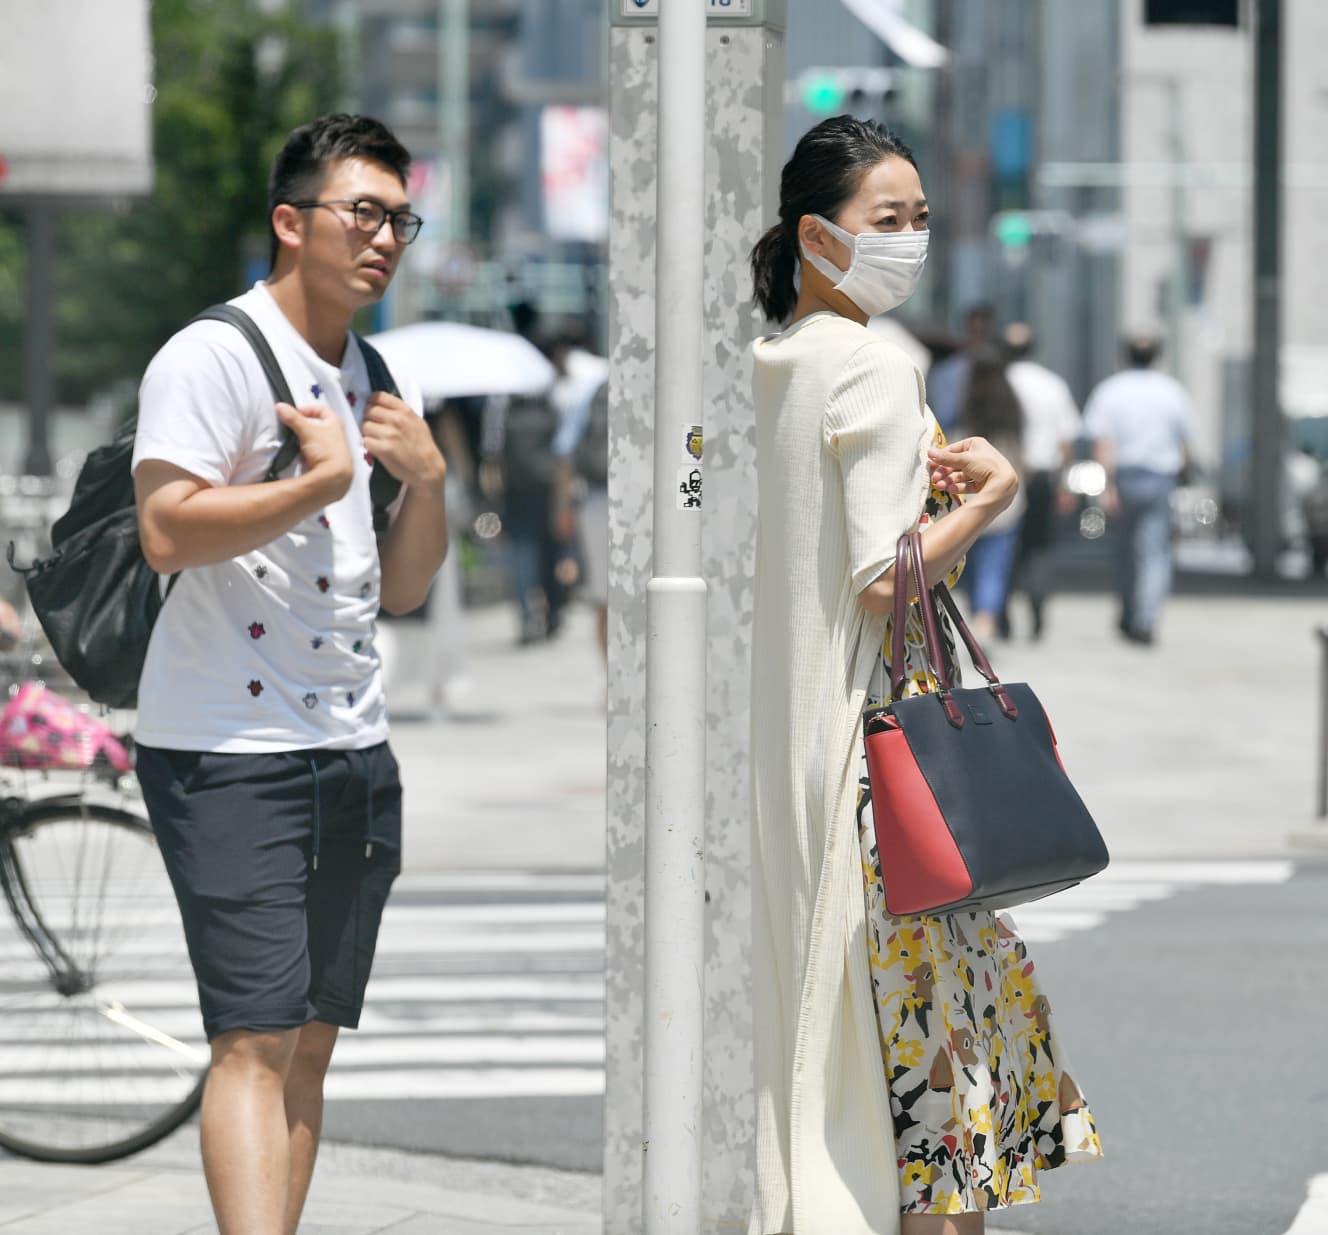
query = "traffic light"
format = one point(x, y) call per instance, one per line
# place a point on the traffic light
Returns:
point(821, 94)
point(1013, 229)
point(1192, 12)
point(828, 91)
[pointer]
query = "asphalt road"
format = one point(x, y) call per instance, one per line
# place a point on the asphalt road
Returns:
point(1194, 1025)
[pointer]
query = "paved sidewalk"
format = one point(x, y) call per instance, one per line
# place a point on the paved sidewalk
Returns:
point(356, 1191)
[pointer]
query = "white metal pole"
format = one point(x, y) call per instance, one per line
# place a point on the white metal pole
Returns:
point(676, 650)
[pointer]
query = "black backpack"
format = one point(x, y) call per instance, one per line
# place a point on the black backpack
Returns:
point(96, 597)
point(591, 456)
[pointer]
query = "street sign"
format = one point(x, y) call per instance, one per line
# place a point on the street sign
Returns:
point(720, 12)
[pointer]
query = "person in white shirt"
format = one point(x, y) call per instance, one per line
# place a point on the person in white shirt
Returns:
point(262, 728)
point(1141, 422)
point(1051, 425)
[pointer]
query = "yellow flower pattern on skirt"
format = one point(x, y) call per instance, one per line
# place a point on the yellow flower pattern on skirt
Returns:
point(979, 1088)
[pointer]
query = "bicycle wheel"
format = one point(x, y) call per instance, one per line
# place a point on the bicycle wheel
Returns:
point(102, 1051)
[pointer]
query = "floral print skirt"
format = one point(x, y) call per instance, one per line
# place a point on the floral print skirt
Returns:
point(980, 1090)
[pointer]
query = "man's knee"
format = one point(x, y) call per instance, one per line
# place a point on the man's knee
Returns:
point(313, 1049)
point(254, 1054)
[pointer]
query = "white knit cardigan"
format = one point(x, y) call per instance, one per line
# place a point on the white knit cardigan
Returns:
point(841, 434)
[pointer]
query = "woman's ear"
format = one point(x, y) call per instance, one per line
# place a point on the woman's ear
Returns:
point(812, 235)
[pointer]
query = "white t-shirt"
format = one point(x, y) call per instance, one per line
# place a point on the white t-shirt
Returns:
point(1145, 415)
point(273, 650)
point(1051, 417)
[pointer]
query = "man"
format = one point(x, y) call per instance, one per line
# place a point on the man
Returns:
point(1141, 423)
point(947, 382)
point(1051, 425)
point(582, 451)
point(261, 725)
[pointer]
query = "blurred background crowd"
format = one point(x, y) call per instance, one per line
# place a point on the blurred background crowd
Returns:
point(1089, 165)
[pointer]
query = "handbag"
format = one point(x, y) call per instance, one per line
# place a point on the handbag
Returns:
point(972, 806)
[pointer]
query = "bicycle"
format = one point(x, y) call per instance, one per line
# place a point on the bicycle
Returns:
point(102, 1051)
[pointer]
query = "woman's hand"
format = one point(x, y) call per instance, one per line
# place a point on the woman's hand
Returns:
point(974, 466)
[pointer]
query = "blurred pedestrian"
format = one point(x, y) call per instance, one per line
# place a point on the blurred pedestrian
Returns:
point(909, 1103)
point(1141, 423)
point(11, 626)
point(1051, 426)
point(529, 470)
point(947, 383)
point(1314, 506)
point(262, 729)
point(992, 411)
point(581, 504)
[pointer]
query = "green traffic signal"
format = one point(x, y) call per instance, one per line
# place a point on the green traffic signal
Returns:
point(1014, 229)
point(822, 95)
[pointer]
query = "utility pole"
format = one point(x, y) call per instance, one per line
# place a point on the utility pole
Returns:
point(454, 113)
point(1178, 293)
point(39, 336)
point(1267, 430)
point(680, 335)
point(676, 649)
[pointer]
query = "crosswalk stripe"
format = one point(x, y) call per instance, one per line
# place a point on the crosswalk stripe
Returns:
point(383, 1085)
point(1126, 885)
point(394, 939)
point(1313, 1216)
point(354, 1051)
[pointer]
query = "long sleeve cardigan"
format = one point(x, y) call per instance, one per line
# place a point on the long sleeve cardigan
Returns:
point(841, 431)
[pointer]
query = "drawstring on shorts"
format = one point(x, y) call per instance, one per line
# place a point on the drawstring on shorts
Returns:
point(313, 769)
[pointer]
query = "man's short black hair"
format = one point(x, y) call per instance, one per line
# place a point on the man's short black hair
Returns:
point(1141, 350)
point(298, 169)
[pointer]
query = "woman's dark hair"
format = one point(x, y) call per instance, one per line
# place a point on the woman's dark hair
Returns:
point(827, 167)
point(297, 170)
point(991, 407)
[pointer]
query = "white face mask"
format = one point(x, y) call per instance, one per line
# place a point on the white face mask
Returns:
point(884, 270)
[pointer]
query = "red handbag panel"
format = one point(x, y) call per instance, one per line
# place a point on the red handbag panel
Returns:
point(921, 865)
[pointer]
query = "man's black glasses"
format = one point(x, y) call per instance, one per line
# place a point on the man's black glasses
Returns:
point(370, 215)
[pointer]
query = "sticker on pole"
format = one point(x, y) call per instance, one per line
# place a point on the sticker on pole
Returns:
point(689, 488)
point(689, 473)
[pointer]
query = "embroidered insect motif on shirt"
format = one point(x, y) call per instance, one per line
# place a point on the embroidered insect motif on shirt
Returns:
point(311, 700)
point(255, 687)
point(316, 642)
point(257, 630)
point(323, 584)
point(357, 645)
point(316, 390)
point(366, 588)
point(260, 571)
point(323, 519)
point(351, 398)
point(350, 698)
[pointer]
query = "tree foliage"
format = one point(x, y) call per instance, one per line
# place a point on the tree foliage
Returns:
point(231, 82)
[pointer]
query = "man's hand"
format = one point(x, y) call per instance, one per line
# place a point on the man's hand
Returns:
point(974, 466)
point(323, 449)
point(396, 435)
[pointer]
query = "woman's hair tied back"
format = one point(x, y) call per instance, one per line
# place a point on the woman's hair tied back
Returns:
point(825, 170)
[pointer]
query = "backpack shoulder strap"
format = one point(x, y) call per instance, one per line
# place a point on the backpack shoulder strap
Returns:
point(380, 376)
point(290, 446)
point(383, 486)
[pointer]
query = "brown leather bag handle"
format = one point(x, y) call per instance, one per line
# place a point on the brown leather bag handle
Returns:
point(909, 552)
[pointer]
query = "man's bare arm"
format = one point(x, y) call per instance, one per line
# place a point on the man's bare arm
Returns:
point(185, 522)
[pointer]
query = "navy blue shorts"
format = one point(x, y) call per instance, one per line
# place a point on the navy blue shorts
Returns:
point(281, 865)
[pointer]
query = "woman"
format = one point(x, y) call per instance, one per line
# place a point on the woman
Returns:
point(907, 1078)
point(991, 410)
